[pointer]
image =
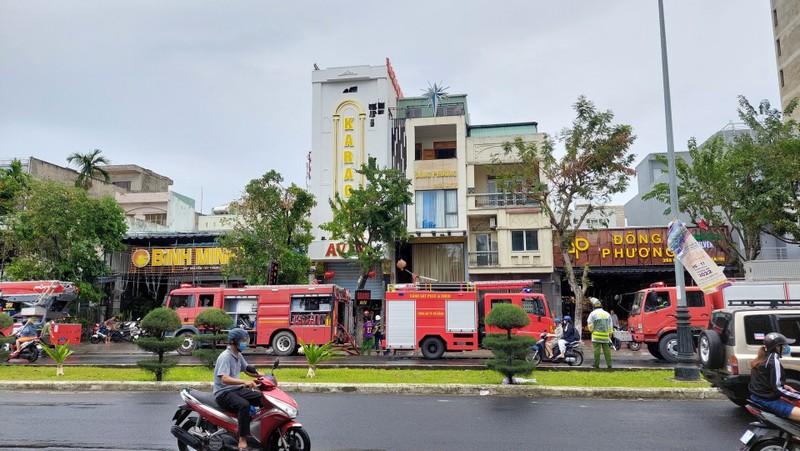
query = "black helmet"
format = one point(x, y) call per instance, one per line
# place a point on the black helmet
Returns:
point(774, 339)
point(236, 335)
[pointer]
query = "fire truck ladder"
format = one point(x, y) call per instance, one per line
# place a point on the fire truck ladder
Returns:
point(344, 342)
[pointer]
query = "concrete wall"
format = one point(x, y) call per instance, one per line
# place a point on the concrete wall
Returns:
point(785, 15)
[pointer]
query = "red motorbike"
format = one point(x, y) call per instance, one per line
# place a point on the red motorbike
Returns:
point(30, 350)
point(202, 424)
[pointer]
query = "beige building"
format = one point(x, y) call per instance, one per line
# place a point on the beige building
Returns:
point(786, 32)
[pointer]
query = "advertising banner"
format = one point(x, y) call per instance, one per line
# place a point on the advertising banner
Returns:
point(706, 274)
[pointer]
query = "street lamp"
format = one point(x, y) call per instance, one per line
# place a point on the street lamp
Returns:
point(685, 368)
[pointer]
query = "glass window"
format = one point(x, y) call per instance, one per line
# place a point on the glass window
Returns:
point(177, 301)
point(789, 326)
point(755, 328)
point(206, 300)
point(437, 209)
point(695, 299)
point(656, 301)
point(500, 301)
point(524, 240)
point(533, 306)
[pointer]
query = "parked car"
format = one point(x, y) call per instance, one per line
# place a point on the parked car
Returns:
point(732, 340)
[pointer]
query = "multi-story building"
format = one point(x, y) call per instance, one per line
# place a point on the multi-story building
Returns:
point(786, 32)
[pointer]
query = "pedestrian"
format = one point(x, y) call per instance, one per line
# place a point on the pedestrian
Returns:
point(47, 331)
point(378, 334)
point(768, 386)
point(599, 323)
point(369, 336)
point(109, 323)
point(234, 394)
point(614, 319)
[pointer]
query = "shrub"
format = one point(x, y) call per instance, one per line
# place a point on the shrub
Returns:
point(510, 351)
point(157, 323)
point(5, 322)
point(316, 354)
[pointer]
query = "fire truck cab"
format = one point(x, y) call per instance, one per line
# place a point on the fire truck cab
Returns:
point(534, 304)
point(276, 316)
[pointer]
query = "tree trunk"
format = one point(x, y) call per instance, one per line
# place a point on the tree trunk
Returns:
point(577, 289)
point(358, 334)
point(59, 370)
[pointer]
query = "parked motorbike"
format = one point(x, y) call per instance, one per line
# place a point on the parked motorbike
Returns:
point(573, 356)
point(99, 332)
point(30, 350)
point(770, 432)
point(201, 423)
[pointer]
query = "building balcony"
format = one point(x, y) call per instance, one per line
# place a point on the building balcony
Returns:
point(488, 201)
point(483, 259)
point(420, 111)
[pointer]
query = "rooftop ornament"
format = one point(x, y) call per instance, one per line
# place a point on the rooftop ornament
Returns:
point(435, 93)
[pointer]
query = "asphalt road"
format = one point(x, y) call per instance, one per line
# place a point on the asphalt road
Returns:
point(141, 421)
point(128, 354)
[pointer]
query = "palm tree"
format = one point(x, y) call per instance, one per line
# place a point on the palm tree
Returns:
point(90, 167)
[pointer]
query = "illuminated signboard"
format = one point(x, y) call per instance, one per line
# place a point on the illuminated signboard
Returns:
point(348, 141)
point(176, 259)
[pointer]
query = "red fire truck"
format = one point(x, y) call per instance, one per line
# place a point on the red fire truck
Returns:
point(274, 315)
point(442, 317)
point(43, 299)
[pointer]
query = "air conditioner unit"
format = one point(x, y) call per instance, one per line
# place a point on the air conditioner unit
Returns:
point(492, 223)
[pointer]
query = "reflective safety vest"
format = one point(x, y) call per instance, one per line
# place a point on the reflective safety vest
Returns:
point(600, 325)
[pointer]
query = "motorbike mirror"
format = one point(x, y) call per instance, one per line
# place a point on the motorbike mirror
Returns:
point(275, 364)
point(617, 297)
point(250, 369)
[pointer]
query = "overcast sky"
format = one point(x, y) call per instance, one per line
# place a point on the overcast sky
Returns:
point(215, 93)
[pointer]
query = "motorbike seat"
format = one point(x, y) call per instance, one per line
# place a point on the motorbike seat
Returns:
point(783, 423)
point(206, 398)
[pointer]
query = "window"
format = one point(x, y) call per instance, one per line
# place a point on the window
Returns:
point(755, 328)
point(437, 209)
point(780, 74)
point(124, 185)
point(160, 218)
point(533, 306)
point(524, 240)
point(656, 301)
point(789, 326)
point(775, 18)
point(778, 47)
point(695, 299)
point(418, 151)
point(444, 150)
point(177, 301)
point(206, 300)
point(500, 301)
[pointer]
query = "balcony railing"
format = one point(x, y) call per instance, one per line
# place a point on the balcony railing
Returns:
point(417, 111)
point(489, 258)
point(502, 200)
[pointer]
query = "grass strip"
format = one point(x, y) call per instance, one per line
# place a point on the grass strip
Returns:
point(644, 378)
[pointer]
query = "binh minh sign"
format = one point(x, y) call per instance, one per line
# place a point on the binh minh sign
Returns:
point(635, 247)
point(176, 259)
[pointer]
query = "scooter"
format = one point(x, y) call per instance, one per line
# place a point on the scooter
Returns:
point(30, 350)
point(770, 432)
point(99, 332)
point(573, 356)
point(201, 423)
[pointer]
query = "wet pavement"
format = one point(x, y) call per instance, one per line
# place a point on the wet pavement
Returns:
point(126, 354)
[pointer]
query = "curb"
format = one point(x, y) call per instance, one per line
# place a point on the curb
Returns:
point(520, 391)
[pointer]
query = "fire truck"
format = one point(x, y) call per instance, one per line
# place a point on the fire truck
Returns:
point(652, 316)
point(450, 317)
point(274, 315)
point(43, 299)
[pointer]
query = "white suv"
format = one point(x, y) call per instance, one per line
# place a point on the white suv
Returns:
point(732, 340)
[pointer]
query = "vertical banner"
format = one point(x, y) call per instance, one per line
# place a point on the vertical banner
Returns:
point(706, 274)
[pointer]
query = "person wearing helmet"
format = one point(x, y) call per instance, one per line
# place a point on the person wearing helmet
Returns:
point(569, 334)
point(601, 327)
point(378, 334)
point(768, 380)
point(232, 393)
point(553, 338)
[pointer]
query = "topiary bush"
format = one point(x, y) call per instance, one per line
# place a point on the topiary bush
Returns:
point(157, 323)
point(212, 321)
point(510, 351)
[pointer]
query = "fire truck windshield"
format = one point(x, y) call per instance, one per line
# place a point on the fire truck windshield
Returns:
point(638, 300)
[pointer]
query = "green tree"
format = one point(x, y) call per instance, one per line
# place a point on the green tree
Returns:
point(273, 226)
point(5, 322)
point(594, 167)
point(372, 218)
point(316, 354)
point(748, 186)
point(89, 168)
point(61, 233)
point(157, 323)
point(13, 182)
point(510, 351)
point(212, 321)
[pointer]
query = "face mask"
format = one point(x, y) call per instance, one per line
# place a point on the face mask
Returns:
point(242, 346)
point(786, 350)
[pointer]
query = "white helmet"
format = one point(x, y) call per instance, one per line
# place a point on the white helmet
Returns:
point(377, 317)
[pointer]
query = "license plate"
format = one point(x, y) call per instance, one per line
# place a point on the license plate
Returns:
point(747, 436)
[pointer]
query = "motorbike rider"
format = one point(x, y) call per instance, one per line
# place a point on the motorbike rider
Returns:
point(556, 335)
point(768, 379)
point(570, 334)
point(234, 394)
point(25, 333)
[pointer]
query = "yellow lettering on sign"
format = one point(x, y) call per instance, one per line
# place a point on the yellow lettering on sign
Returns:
point(183, 257)
point(656, 238)
point(348, 123)
point(348, 140)
point(157, 257)
point(643, 239)
point(348, 156)
point(630, 239)
point(617, 239)
point(669, 253)
point(644, 252)
point(658, 252)
point(578, 246)
point(618, 253)
point(605, 252)
point(347, 190)
point(348, 174)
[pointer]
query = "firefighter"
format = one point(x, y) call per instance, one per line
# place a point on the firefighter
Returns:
point(600, 326)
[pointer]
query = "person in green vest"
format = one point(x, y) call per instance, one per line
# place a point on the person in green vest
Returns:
point(601, 327)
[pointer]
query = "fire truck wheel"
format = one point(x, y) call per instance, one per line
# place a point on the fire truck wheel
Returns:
point(284, 343)
point(653, 349)
point(188, 344)
point(432, 348)
point(668, 346)
point(709, 346)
